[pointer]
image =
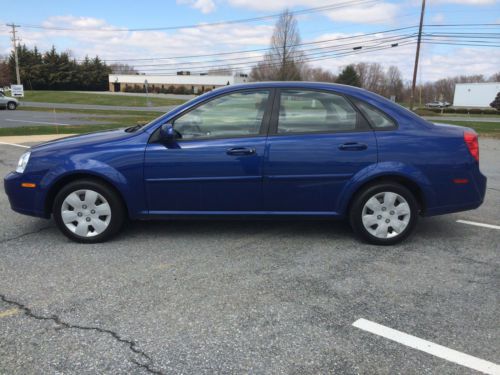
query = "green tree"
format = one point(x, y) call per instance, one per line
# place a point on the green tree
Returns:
point(349, 76)
point(496, 103)
point(55, 70)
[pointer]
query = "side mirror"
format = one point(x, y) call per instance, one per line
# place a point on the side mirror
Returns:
point(168, 133)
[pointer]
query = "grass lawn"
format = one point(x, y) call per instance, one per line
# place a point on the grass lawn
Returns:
point(73, 97)
point(488, 129)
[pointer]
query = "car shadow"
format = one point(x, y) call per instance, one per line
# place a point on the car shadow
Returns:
point(239, 227)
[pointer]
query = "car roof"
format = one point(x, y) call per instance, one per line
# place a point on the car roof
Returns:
point(295, 84)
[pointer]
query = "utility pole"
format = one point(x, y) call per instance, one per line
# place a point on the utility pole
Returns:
point(14, 44)
point(415, 68)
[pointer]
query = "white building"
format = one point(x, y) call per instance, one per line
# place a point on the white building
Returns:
point(472, 95)
point(191, 83)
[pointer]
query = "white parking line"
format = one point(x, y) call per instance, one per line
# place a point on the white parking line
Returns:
point(36, 122)
point(491, 226)
point(14, 144)
point(429, 347)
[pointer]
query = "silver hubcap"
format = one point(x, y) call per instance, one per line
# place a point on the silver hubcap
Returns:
point(86, 213)
point(386, 215)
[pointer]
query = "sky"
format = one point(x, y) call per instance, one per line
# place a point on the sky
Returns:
point(94, 27)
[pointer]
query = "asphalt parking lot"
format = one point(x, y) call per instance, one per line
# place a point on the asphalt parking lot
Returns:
point(249, 296)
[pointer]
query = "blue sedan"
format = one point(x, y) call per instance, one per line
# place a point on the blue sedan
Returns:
point(281, 149)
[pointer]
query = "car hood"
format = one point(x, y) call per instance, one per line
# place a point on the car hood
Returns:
point(80, 140)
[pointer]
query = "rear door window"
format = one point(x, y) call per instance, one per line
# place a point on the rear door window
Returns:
point(308, 111)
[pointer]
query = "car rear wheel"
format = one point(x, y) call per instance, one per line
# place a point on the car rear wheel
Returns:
point(88, 211)
point(11, 105)
point(384, 214)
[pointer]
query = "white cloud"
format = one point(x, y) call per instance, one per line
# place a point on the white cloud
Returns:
point(205, 6)
point(112, 44)
point(368, 14)
point(381, 12)
point(436, 61)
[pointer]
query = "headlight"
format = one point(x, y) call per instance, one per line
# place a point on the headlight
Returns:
point(23, 162)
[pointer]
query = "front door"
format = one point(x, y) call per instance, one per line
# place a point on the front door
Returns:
point(216, 167)
point(317, 143)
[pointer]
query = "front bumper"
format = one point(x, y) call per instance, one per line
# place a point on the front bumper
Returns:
point(27, 201)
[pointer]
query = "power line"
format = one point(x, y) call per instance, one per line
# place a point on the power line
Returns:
point(469, 37)
point(266, 49)
point(331, 49)
point(343, 54)
point(261, 49)
point(299, 51)
point(229, 22)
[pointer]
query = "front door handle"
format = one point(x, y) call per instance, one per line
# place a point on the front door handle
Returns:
point(239, 151)
point(353, 146)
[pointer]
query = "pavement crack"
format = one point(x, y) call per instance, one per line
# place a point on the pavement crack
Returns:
point(148, 361)
point(25, 234)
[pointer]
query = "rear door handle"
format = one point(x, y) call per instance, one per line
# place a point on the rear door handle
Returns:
point(239, 151)
point(353, 146)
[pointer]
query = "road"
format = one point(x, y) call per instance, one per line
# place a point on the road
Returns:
point(273, 297)
point(18, 118)
point(90, 106)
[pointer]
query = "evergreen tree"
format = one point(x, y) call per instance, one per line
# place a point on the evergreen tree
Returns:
point(349, 76)
point(496, 103)
point(58, 71)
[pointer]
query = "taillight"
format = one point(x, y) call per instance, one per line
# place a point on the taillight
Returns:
point(472, 144)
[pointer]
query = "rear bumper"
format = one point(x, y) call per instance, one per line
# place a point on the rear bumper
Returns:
point(468, 197)
point(26, 201)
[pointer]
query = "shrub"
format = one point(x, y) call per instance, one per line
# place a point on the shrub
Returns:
point(180, 90)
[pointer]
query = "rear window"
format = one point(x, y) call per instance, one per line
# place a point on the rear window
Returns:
point(376, 118)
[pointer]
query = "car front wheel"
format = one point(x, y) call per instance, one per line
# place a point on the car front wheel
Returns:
point(88, 211)
point(11, 106)
point(384, 214)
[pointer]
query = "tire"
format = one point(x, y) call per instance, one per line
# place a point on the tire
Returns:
point(11, 105)
point(77, 208)
point(384, 214)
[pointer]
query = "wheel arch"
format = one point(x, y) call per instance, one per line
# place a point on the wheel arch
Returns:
point(64, 180)
point(408, 183)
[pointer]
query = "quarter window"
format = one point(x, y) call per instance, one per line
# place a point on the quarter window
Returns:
point(304, 111)
point(377, 119)
point(234, 115)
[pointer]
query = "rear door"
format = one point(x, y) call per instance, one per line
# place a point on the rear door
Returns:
point(318, 141)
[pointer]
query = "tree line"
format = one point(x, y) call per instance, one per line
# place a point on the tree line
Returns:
point(54, 70)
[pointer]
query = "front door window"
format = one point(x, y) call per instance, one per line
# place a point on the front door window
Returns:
point(235, 115)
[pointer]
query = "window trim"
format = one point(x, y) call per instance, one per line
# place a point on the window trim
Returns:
point(264, 126)
point(356, 102)
point(362, 125)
